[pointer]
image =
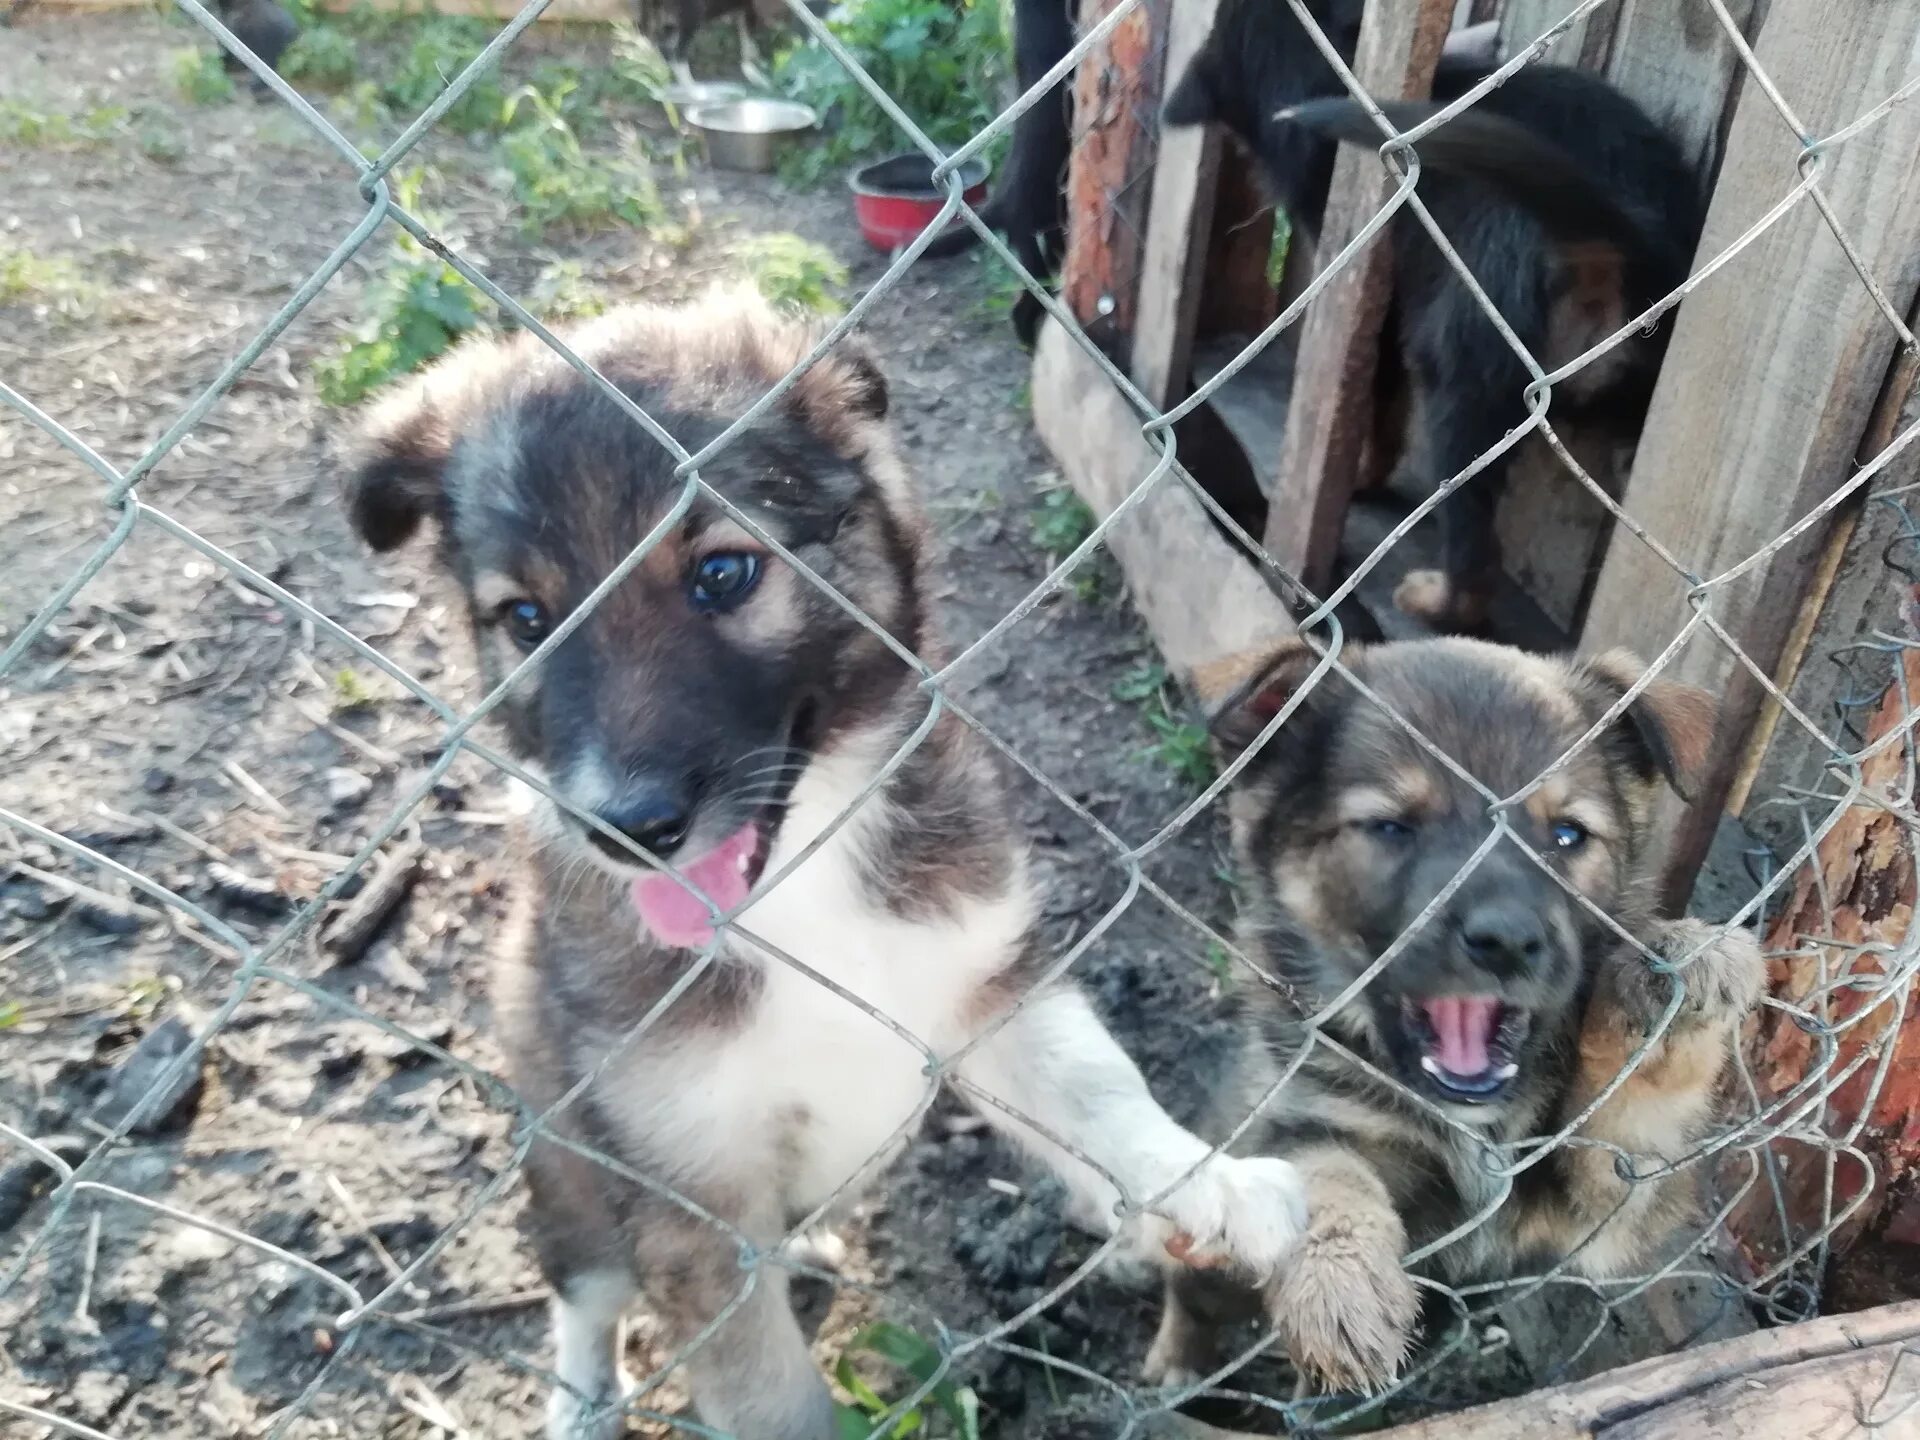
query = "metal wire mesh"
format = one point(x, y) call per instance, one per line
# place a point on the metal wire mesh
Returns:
point(1743, 1153)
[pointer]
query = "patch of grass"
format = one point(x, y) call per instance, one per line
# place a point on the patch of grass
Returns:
point(324, 56)
point(793, 272)
point(554, 181)
point(50, 284)
point(1061, 522)
point(11, 1012)
point(943, 61)
point(949, 1408)
point(1142, 684)
point(22, 124)
point(564, 291)
point(1179, 744)
point(351, 690)
point(159, 139)
point(198, 76)
point(1182, 747)
point(417, 308)
point(442, 48)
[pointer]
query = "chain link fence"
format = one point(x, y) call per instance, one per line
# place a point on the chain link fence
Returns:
point(431, 1289)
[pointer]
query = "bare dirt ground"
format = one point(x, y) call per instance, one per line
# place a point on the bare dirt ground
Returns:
point(193, 728)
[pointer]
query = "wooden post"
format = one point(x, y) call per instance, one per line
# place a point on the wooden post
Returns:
point(1179, 226)
point(1774, 368)
point(1116, 127)
point(1331, 413)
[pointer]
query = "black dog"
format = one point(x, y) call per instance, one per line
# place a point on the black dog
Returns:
point(1027, 205)
point(264, 28)
point(1570, 207)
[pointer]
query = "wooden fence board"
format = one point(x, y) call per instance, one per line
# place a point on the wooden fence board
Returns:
point(1774, 368)
point(1331, 413)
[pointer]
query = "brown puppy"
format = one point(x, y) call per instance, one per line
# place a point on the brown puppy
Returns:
point(1501, 1018)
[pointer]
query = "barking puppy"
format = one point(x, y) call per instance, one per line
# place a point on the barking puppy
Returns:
point(1505, 1014)
point(1570, 207)
point(721, 713)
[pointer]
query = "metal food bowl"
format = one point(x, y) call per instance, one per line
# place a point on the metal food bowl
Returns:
point(749, 134)
point(684, 95)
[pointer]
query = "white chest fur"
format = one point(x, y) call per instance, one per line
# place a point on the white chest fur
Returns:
point(812, 1091)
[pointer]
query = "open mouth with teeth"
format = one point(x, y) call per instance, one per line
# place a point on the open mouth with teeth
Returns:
point(727, 873)
point(1466, 1044)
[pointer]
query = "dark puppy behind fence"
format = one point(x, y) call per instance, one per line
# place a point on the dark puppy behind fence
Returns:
point(1570, 207)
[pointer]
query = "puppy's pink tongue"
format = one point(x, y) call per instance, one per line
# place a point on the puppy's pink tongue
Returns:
point(1463, 1028)
point(677, 916)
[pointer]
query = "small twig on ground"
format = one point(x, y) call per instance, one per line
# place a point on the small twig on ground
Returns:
point(481, 1307)
point(346, 940)
point(380, 756)
point(108, 912)
point(166, 826)
point(236, 772)
point(83, 1307)
point(364, 1228)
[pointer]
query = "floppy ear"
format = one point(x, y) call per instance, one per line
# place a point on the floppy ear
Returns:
point(398, 470)
point(1668, 728)
point(1195, 99)
point(843, 385)
point(1252, 689)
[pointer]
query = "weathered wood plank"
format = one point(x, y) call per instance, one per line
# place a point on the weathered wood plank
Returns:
point(1829, 1379)
point(1179, 225)
point(1774, 368)
point(1331, 415)
point(1202, 600)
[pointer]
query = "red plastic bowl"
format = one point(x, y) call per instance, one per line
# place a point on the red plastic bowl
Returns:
point(895, 199)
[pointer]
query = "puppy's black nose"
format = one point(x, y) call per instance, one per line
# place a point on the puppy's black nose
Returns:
point(1503, 936)
point(654, 817)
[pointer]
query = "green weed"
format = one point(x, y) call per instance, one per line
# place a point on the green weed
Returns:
point(943, 61)
point(418, 307)
point(197, 75)
point(11, 1013)
point(1061, 522)
point(21, 124)
point(324, 56)
point(1182, 747)
point(351, 690)
point(1142, 684)
point(947, 1401)
point(564, 291)
point(1277, 251)
point(554, 181)
point(442, 48)
point(794, 272)
point(52, 285)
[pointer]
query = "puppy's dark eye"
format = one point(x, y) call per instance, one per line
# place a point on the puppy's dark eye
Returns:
point(722, 579)
point(1568, 837)
point(526, 622)
point(1393, 831)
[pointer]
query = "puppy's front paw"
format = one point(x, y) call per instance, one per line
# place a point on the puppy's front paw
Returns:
point(1343, 1306)
point(1238, 1213)
point(1724, 971)
point(574, 1416)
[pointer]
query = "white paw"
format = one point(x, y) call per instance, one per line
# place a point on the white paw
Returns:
point(817, 1249)
point(1243, 1214)
point(572, 1416)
